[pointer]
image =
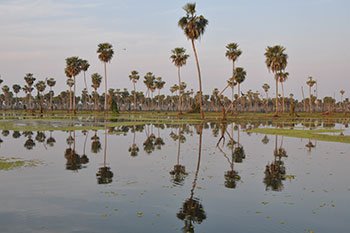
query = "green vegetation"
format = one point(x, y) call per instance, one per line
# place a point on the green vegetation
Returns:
point(7, 164)
point(317, 134)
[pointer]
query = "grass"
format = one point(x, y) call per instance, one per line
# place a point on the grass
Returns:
point(317, 134)
point(7, 164)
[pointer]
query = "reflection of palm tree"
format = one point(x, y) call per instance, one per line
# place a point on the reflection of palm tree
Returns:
point(275, 172)
point(238, 152)
point(16, 134)
point(231, 176)
point(134, 149)
point(265, 140)
point(192, 210)
point(50, 141)
point(29, 143)
point(310, 145)
point(179, 173)
point(74, 161)
point(96, 144)
point(159, 142)
point(104, 174)
point(84, 158)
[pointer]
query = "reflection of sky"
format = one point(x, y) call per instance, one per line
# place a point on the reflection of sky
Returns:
point(36, 36)
point(57, 200)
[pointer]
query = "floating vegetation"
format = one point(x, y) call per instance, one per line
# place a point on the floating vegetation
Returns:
point(7, 164)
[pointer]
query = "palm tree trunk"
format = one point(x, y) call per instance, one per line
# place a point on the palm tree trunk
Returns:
point(310, 104)
point(282, 97)
point(74, 90)
point(70, 99)
point(105, 68)
point(199, 79)
point(134, 96)
point(239, 94)
point(180, 96)
point(276, 96)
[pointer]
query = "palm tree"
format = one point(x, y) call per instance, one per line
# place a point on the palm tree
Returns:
point(194, 27)
point(40, 87)
point(6, 91)
point(96, 82)
point(283, 76)
point(149, 79)
point(276, 61)
point(134, 77)
point(159, 84)
point(70, 83)
point(29, 78)
point(179, 58)
point(232, 53)
point(73, 68)
point(84, 65)
point(342, 92)
point(266, 88)
point(240, 75)
point(16, 89)
point(310, 83)
point(51, 82)
point(105, 54)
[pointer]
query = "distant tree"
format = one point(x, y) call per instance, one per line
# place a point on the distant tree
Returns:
point(134, 77)
point(40, 87)
point(96, 82)
point(29, 78)
point(16, 89)
point(73, 68)
point(51, 82)
point(105, 54)
point(179, 58)
point(276, 62)
point(310, 82)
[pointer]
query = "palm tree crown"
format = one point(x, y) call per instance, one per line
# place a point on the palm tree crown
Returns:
point(179, 57)
point(232, 52)
point(192, 25)
point(276, 58)
point(105, 51)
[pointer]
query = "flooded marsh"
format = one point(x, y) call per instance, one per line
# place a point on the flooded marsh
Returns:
point(173, 178)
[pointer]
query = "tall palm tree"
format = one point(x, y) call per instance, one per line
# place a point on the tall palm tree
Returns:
point(342, 92)
point(232, 53)
point(84, 65)
point(29, 78)
point(179, 58)
point(240, 75)
point(310, 82)
point(149, 79)
point(134, 77)
point(70, 84)
point(6, 91)
point(159, 84)
point(96, 82)
point(16, 89)
point(105, 54)
point(194, 27)
point(40, 87)
point(266, 88)
point(51, 82)
point(276, 61)
point(73, 68)
point(283, 76)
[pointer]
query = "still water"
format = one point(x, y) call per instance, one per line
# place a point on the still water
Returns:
point(173, 178)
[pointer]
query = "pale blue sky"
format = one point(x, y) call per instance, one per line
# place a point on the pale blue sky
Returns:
point(37, 36)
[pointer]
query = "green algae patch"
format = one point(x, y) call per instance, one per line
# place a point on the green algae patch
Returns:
point(7, 164)
point(326, 135)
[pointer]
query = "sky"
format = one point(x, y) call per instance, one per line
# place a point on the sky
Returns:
point(37, 36)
